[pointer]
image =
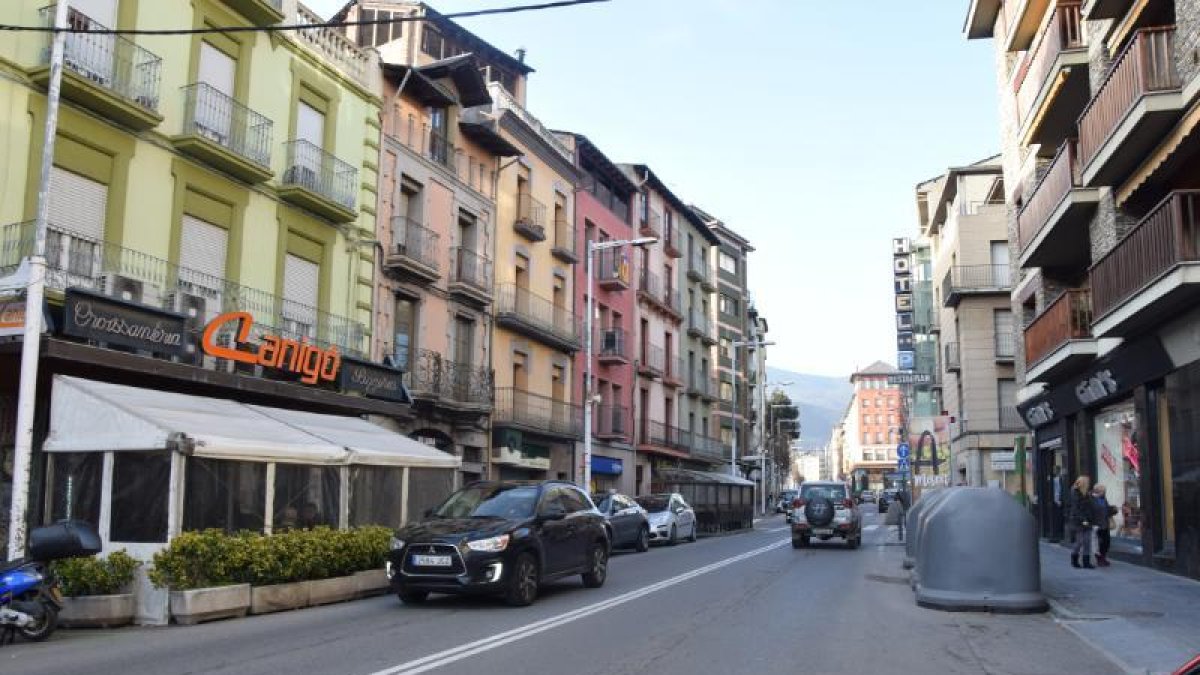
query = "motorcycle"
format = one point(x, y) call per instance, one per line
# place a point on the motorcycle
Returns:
point(30, 597)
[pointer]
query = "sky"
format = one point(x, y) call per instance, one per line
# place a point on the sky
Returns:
point(803, 124)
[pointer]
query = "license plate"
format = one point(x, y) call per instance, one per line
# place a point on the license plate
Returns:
point(431, 560)
point(824, 531)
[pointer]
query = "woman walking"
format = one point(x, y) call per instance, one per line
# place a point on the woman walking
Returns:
point(1102, 514)
point(1079, 519)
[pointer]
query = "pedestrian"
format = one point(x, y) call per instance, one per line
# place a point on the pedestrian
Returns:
point(1079, 519)
point(1102, 515)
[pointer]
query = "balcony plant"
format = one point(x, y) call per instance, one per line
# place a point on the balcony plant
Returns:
point(97, 590)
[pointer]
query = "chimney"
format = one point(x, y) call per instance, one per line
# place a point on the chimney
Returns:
point(521, 54)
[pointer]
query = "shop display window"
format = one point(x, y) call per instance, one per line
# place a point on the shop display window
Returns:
point(376, 495)
point(75, 479)
point(427, 488)
point(140, 486)
point(1181, 471)
point(1119, 467)
point(225, 495)
point(306, 496)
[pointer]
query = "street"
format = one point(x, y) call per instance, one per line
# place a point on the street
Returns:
point(745, 603)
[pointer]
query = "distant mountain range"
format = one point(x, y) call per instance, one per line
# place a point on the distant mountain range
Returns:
point(822, 401)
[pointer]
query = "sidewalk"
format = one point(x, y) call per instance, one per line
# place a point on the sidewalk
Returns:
point(1143, 620)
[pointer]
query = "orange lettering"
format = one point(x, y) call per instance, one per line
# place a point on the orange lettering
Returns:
point(307, 360)
point(211, 348)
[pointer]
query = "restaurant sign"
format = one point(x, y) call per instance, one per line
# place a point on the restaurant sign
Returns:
point(12, 316)
point(373, 381)
point(301, 357)
point(105, 319)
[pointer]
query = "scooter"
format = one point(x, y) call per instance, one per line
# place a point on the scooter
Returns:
point(30, 598)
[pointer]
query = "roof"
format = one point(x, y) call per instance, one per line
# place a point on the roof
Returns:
point(486, 49)
point(423, 88)
point(643, 174)
point(877, 368)
point(691, 476)
point(484, 133)
point(949, 187)
point(464, 71)
point(607, 168)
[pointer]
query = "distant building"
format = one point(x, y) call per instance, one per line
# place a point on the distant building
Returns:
point(871, 427)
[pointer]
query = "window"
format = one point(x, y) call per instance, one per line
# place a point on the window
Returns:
point(878, 436)
point(306, 496)
point(432, 42)
point(728, 263)
point(140, 481)
point(202, 248)
point(75, 488)
point(301, 280)
point(77, 214)
point(866, 437)
point(726, 348)
point(726, 391)
point(224, 495)
point(376, 497)
point(464, 336)
point(573, 500)
point(728, 305)
point(404, 323)
point(866, 403)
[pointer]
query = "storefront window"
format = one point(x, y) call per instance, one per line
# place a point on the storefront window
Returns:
point(376, 495)
point(1181, 476)
point(429, 487)
point(140, 484)
point(1119, 467)
point(225, 495)
point(306, 496)
point(75, 487)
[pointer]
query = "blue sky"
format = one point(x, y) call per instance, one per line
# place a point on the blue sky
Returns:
point(804, 124)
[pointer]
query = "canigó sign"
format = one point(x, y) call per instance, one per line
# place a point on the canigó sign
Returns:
point(311, 362)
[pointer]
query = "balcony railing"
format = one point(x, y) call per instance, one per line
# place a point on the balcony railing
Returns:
point(311, 168)
point(471, 269)
point(699, 325)
point(108, 61)
point(442, 151)
point(652, 360)
point(1067, 318)
point(611, 345)
point(1164, 238)
point(432, 376)
point(1005, 346)
point(537, 412)
point(1061, 32)
point(675, 372)
point(502, 100)
point(1010, 418)
point(1051, 189)
point(531, 218)
point(952, 359)
point(334, 46)
point(702, 383)
point(612, 421)
point(650, 224)
point(519, 307)
point(211, 114)
point(658, 434)
point(975, 279)
point(671, 240)
point(698, 268)
point(413, 241)
point(565, 248)
point(1146, 65)
point(77, 261)
point(612, 269)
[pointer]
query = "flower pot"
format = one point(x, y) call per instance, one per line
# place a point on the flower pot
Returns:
point(371, 582)
point(97, 611)
point(206, 604)
point(326, 591)
point(278, 597)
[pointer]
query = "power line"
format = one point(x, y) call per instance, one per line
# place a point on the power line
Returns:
point(280, 28)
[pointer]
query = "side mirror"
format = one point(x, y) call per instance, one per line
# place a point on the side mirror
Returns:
point(428, 513)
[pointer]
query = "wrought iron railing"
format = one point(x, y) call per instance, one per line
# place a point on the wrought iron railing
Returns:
point(413, 240)
point(211, 114)
point(110, 61)
point(310, 167)
point(470, 268)
point(976, 278)
point(564, 238)
point(699, 323)
point(535, 411)
point(531, 217)
point(612, 421)
point(442, 151)
point(612, 266)
point(652, 359)
point(536, 311)
point(611, 343)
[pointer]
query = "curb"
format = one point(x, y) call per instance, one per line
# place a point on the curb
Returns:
point(1067, 618)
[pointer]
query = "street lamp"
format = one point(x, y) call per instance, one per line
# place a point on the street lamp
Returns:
point(734, 345)
point(592, 247)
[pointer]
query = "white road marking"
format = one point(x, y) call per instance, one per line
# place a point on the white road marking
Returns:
point(870, 528)
point(779, 529)
point(460, 652)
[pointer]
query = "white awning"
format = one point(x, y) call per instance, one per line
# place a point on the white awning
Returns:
point(91, 416)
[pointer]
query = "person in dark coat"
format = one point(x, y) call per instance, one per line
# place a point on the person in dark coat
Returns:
point(1101, 513)
point(1079, 519)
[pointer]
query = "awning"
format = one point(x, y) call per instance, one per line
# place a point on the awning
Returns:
point(91, 416)
point(693, 477)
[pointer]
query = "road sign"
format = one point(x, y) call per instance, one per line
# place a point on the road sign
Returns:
point(902, 451)
point(902, 464)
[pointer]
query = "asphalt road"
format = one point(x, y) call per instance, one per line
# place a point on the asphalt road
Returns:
point(745, 603)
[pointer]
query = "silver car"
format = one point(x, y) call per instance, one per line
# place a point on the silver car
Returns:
point(670, 517)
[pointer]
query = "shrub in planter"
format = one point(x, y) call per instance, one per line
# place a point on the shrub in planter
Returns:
point(96, 576)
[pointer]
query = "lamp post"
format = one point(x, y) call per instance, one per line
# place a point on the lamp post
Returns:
point(592, 247)
point(734, 345)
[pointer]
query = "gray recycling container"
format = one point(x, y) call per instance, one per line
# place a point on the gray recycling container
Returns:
point(929, 497)
point(978, 551)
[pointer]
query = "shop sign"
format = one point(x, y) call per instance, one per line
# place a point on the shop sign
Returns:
point(373, 381)
point(606, 465)
point(105, 319)
point(309, 361)
point(12, 316)
point(1004, 461)
point(909, 378)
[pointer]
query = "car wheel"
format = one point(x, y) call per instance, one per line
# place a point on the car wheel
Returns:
point(598, 569)
point(854, 542)
point(692, 536)
point(523, 584)
point(643, 540)
point(410, 597)
point(673, 540)
point(800, 542)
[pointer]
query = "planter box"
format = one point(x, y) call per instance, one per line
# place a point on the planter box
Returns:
point(327, 591)
point(371, 582)
point(278, 597)
point(98, 611)
point(206, 604)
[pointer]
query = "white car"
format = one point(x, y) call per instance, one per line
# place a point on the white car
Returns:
point(671, 519)
point(824, 511)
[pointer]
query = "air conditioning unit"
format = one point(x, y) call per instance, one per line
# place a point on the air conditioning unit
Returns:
point(195, 308)
point(122, 287)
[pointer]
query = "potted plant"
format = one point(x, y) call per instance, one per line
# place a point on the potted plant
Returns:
point(96, 590)
point(204, 572)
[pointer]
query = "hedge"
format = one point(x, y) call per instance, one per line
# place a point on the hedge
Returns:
point(216, 558)
point(96, 576)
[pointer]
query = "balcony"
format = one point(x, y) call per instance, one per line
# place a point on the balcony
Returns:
point(533, 459)
point(952, 358)
point(1096, 10)
point(1052, 85)
point(225, 134)
point(1152, 273)
point(1059, 341)
point(470, 276)
point(663, 298)
point(705, 447)
point(699, 326)
point(535, 317)
point(449, 383)
point(611, 423)
point(652, 362)
point(1010, 419)
point(1024, 18)
point(671, 241)
point(661, 438)
point(260, 12)
point(1137, 102)
point(318, 181)
point(503, 101)
point(650, 224)
point(975, 280)
point(531, 218)
point(612, 348)
point(1005, 347)
point(441, 150)
point(565, 248)
point(414, 250)
point(698, 271)
point(674, 374)
point(78, 261)
point(537, 414)
point(108, 74)
point(612, 269)
point(1053, 224)
point(331, 45)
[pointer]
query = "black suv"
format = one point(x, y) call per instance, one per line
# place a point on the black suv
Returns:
point(503, 538)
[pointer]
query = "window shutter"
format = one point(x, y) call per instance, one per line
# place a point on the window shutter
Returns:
point(77, 204)
point(202, 249)
point(300, 280)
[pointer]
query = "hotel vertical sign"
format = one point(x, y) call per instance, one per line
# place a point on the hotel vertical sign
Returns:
point(903, 287)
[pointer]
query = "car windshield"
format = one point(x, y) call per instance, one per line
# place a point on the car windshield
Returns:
point(654, 503)
point(602, 502)
point(494, 501)
point(833, 492)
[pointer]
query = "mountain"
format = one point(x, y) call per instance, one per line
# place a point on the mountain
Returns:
point(822, 402)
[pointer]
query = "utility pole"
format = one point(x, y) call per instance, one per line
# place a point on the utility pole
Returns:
point(32, 340)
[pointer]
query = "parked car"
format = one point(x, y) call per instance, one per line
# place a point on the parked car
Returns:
point(867, 497)
point(504, 538)
point(628, 523)
point(784, 504)
point(825, 510)
point(670, 517)
point(886, 497)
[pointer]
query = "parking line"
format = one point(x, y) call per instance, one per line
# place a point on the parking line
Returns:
point(870, 528)
point(460, 652)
